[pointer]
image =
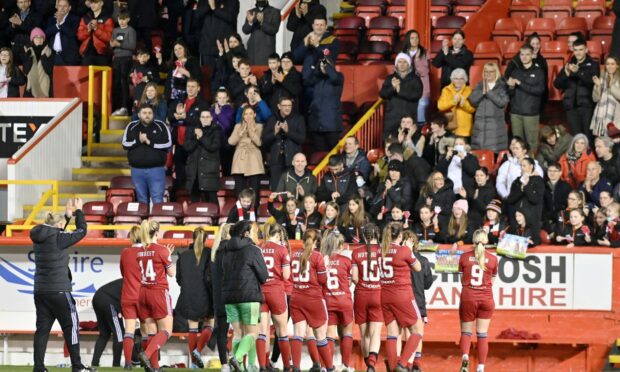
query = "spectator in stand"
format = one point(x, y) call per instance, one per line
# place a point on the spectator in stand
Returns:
point(415, 168)
point(202, 144)
point(420, 59)
point(95, 33)
point(380, 167)
point(145, 18)
point(262, 24)
point(608, 159)
point(615, 37)
point(219, 20)
point(22, 20)
point(191, 24)
point(316, 43)
point(240, 81)
point(244, 207)
point(521, 226)
point(594, 184)
point(255, 101)
point(495, 224)
point(61, 31)
point(490, 98)
point(576, 81)
point(141, 74)
point(606, 94)
point(479, 196)
point(181, 67)
point(352, 219)
point(535, 42)
point(123, 44)
point(527, 194)
point(452, 57)
point(510, 170)
point(395, 190)
point(184, 117)
point(11, 77)
point(555, 200)
point(454, 102)
point(151, 97)
point(572, 38)
point(438, 196)
point(230, 50)
point(605, 199)
point(460, 166)
point(171, 25)
point(324, 117)
point(38, 66)
point(577, 233)
point(81, 8)
point(222, 113)
point(575, 200)
point(458, 230)
point(355, 158)
point(427, 227)
point(402, 90)
point(338, 184)
point(284, 134)
point(298, 181)
point(147, 142)
point(526, 87)
point(575, 161)
point(281, 80)
point(247, 164)
point(300, 21)
point(411, 137)
point(437, 136)
point(554, 142)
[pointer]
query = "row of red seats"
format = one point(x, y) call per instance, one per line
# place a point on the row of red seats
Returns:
point(369, 9)
point(559, 9)
point(459, 8)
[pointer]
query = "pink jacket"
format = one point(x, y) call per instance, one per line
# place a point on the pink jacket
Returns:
point(422, 66)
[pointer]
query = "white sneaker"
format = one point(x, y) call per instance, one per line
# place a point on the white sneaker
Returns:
point(120, 112)
point(225, 368)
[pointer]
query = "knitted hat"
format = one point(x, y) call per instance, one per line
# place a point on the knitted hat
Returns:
point(287, 55)
point(395, 165)
point(495, 205)
point(404, 56)
point(36, 32)
point(462, 204)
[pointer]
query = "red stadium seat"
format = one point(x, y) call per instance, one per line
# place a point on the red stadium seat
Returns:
point(569, 25)
point(350, 29)
point(225, 210)
point(131, 213)
point(397, 11)
point(557, 10)
point(500, 159)
point(201, 214)
point(95, 234)
point(544, 27)
point(486, 158)
point(524, 10)
point(507, 30)
point(590, 10)
point(263, 213)
point(595, 50)
point(555, 50)
point(117, 196)
point(347, 51)
point(512, 50)
point(121, 182)
point(317, 157)
point(373, 51)
point(383, 29)
point(374, 155)
point(554, 93)
point(487, 51)
point(167, 213)
point(446, 26)
point(368, 12)
point(435, 48)
point(466, 8)
point(170, 234)
point(475, 75)
point(602, 29)
point(98, 212)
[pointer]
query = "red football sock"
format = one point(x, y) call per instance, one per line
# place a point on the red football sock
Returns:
point(417, 361)
point(346, 348)
point(410, 347)
point(155, 360)
point(465, 342)
point(146, 341)
point(296, 346)
point(192, 339)
point(285, 351)
point(157, 342)
point(313, 350)
point(128, 347)
point(372, 359)
point(390, 350)
point(326, 355)
point(331, 343)
point(483, 348)
point(205, 336)
point(261, 347)
point(65, 350)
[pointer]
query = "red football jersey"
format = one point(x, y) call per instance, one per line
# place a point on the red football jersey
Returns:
point(276, 258)
point(338, 278)
point(396, 269)
point(308, 281)
point(475, 281)
point(130, 271)
point(369, 272)
point(154, 260)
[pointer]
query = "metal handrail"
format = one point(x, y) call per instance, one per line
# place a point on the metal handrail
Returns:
point(163, 228)
point(105, 74)
point(52, 192)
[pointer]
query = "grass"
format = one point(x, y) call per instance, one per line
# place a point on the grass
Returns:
point(101, 369)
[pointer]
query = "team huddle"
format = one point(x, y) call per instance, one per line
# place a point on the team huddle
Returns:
point(241, 284)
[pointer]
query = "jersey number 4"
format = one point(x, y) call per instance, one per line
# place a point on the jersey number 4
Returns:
point(148, 274)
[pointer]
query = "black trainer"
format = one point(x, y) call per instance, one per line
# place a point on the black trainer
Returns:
point(146, 362)
point(234, 363)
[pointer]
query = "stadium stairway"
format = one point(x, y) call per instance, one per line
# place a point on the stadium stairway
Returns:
point(613, 361)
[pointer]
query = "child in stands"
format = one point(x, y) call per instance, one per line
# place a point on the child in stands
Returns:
point(244, 208)
point(142, 74)
point(577, 233)
point(427, 229)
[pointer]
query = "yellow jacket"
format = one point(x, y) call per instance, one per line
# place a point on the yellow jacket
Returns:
point(464, 113)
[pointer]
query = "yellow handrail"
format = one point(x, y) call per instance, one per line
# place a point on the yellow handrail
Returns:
point(163, 228)
point(105, 72)
point(318, 170)
point(52, 192)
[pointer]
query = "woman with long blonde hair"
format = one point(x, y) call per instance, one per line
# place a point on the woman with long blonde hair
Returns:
point(606, 94)
point(352, 220)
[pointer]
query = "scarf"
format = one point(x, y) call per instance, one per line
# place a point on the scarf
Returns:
point(605, 110)
point(240, 212)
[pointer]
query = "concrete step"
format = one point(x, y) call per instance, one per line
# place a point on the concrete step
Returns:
point(99, 174)
point(108, 149)
point(86, 187)
point(86, 197)
point(112, 135)
point(119, 122)
point(105, 161)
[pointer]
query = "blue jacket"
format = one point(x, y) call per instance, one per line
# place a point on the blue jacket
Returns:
point(263, 112)
point(325, 107)
point(68, 38)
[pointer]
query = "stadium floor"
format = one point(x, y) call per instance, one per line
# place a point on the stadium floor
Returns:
point(100, 369)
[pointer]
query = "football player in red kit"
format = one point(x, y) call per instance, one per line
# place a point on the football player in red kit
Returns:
point(130, 293)
point(278, 262)
point(338, 296)
point(397, 301)
point(155, 303)
point(478, 269)
point(367, 305)
point(308, 307)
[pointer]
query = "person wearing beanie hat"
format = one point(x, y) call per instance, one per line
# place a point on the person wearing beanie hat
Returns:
point(396, 190)
point(38, 65)
point(494, 225)
point(401, 92)
point(37, 32)
point(495, 205)
point(458, 231)
point(462, 204)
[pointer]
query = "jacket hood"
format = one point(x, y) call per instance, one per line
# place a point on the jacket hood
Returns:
point(237, 244)
point(41, 233)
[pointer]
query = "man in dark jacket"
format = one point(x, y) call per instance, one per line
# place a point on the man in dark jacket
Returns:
point(555, 199)
point(144, 18)
point(244, 271)
point(526, 85)
point(52, 283)
point(219, 21)
point(449, 58)
point(283, 134)
point(338, 184)
point(281, 80)
point(300, 21)
point(415, 168)
point(355, 158)
point(576, 80)
point(297, 181)
point(262, 24)
point(608, 158)
point(401, 91)
point(324, 117)
point(61, 32)
point(315, 43)
point(147, 142)
point(22, 19)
